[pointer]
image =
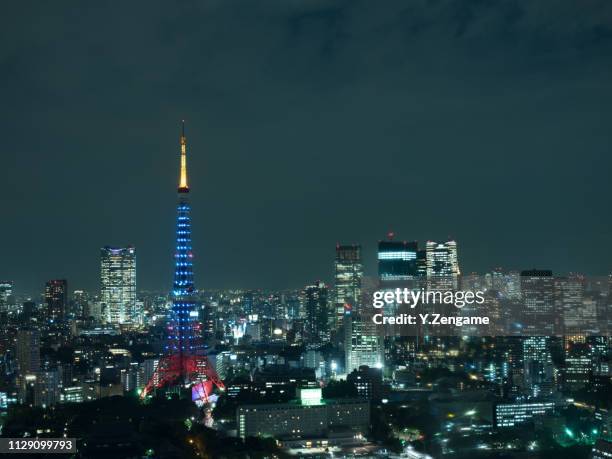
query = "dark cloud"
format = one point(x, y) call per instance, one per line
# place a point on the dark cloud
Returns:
point(309, 122)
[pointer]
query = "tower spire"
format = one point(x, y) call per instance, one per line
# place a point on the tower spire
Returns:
point(183, 186)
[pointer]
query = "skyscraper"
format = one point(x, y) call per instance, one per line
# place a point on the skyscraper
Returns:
point(569, 296)
point(441, 259)
point(348, 273)
point(315, 303)
point(6, 293)
point(442, 265)
point(363, 344)
point(185, 362)
point(56, 299)
point(537, 290)
point(118, 284)
point(397, 260)
point(27, 350)
point(538, 365)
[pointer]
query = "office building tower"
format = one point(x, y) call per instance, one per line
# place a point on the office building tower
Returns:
point(537, 291)
point(6, 294)
point(80, 303)
point(363, 344)
point(348, 274)
point(56, 299)
point(315, 303)
point(442, 259)
point(579, 366)
point(442, 265)
point(48, 388)
point(28, 352)
point(538, 366)
point(397, 260)
point(568, 298)
point(118, 284)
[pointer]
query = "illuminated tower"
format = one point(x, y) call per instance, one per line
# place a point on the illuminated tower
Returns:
point(183, 328)
point(184, 363)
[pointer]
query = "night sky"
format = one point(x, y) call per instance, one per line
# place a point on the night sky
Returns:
point(308, 123)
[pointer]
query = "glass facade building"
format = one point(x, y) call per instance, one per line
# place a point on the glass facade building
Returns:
point(397, 260)
point(118, 284)
point(348, 274)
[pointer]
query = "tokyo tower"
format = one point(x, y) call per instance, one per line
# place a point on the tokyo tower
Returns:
point(184, 363)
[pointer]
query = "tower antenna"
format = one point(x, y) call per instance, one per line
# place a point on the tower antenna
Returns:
point(183, 186)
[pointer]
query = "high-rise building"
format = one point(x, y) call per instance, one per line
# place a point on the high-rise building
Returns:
point(315, 303)
point(397, 260)
point(80, 303)
point(569, 293)
point(56, 299)
point(6, 293)
point(363, 344)
point(537, 290)
point(538, 366)
point(28, 351)
point(441, 259)
point(48, 388)
point(442, 265)
point(579, 366)
point(348, 273)
point(118, 284)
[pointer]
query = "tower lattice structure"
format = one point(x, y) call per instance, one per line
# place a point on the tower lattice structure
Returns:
point(184, 362)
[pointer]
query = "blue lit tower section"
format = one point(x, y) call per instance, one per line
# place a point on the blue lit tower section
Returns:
point(183, 327)
point(184, 363)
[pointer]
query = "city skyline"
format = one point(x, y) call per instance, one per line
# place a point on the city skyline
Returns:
point(306, 228)
point(311, 124)
point(370, 272)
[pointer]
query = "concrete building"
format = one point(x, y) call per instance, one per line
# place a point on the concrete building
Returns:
point(310, 419)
